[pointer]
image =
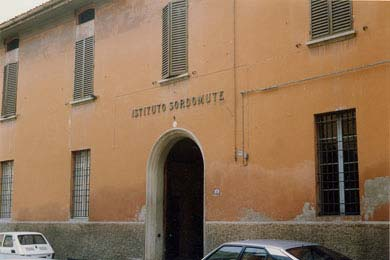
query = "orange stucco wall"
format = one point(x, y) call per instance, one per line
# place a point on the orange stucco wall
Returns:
point(233, 46)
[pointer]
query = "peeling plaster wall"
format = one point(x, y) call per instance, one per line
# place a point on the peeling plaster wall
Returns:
point(249, 215)
point(141, 214)
point(376, 195)
point(308, 213)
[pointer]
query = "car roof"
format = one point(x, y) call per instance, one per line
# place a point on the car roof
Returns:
point(283, 244)
point(20, 233)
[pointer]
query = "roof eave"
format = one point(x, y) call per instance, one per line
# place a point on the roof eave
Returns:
point(31, 14)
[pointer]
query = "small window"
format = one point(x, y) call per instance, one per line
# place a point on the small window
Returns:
point(86, 16)
point(8, 242)
point(12, 45)
point(330, 17)
point(10, 82)
point(226, 253)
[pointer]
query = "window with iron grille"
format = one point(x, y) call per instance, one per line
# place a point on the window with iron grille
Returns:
point(174, 39)
point(330, 17)
point(84, 68)
point(10, 81)
point(81, 173)
point(6, 189)
point(338, 174)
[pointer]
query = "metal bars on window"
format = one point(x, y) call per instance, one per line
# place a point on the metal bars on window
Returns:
point(174, 39)
point(10, 81)
point(330, 17)
point(84, 68)
point(6, 189)
point(81, 173)
point(338, 175)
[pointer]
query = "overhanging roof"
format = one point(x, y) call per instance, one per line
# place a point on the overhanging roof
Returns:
point(39, 16)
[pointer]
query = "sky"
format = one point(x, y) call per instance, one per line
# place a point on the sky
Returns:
point(11, 8)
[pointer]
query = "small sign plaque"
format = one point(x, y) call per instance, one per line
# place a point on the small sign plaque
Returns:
point(216, 192)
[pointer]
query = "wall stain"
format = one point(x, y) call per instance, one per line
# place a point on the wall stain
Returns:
point(376, 194)
point(250, 215)
point(141, 214)
point(308, 213)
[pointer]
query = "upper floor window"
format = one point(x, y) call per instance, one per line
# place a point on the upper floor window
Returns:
point(330, 17)
point(10, 79)
point(84, 58)
point(8, 107)
point(337, 156)
point(86, 16)
point(84, 68)
point(12, 45)
point(174, 39)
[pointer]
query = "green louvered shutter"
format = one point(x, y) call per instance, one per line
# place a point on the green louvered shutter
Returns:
point(320, 23)
point(174, 42)
point(9, 90)
point(179, 37)
point(341, 15)
point(84, 68)
point(330, 17)
point(165, 41)
point(88, 66)
point(78, 70)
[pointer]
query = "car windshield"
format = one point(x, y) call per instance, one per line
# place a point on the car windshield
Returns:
point(31, 240)
point(316, 253)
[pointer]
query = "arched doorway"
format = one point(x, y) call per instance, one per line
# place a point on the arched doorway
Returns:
point(175, 178)
point(183, 202)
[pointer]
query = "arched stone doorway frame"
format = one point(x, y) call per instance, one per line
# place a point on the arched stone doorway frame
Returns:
point(154, 221)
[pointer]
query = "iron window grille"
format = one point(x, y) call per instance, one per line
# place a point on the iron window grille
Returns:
point(338, 174)
point(10, 82)
point(81, 174)
point(174, 39)
point(330, 17)
point(6, 189)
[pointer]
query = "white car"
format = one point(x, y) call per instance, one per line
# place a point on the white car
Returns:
point(25, 244)
point(273, 250)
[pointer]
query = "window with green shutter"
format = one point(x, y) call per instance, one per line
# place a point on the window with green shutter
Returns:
point(174, 39)
point(329, 17)
point(84, 68)
point(10, 80)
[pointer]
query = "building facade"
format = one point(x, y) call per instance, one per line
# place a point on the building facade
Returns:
point(156, 129)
